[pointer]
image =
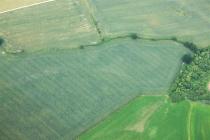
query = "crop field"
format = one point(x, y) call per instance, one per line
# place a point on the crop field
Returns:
point(187, 20)
point(200, 122)
point(11, 4)
point(154, 118)
point(57, 24)
point(102, 69)
point(36, 104)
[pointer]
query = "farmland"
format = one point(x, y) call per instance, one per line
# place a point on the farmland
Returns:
point(102, 69)
point(11, 4)
point(154, 118)
point(187, 20)
point(107, 76)
point(200, 122)
point(36, 27)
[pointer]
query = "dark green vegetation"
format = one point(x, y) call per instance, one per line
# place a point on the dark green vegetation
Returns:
point(1, 41)
point(134, 36)
point(154, 118)
point(191, 46)
point(187, 58)
point(192, 81)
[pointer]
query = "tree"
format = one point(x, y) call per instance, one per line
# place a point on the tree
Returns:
point(187, 58)
point(134, 36)
point(174, 39)
point(81, 46)
point(1, 41)
point(191, 81)
point(190, 46)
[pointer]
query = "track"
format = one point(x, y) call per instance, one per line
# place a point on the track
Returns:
point(26, 6)
point(189, 122)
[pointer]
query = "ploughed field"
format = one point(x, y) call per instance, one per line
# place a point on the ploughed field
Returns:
point(13, 4)
point(56, 24)
point(184, 19)
point(79, 66)
point(58, 94)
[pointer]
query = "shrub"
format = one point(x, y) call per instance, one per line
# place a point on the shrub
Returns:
point(81, 46)
point(175, 97)
point(134, 36)
point(187, 58)
point(102, 39)
point(190, 46)
point(174, 39)
point(1, 41)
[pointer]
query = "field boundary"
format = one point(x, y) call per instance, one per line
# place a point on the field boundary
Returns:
point(136, 36)
point(90, 11)
point(26, 6)
point(114, 111)
point(189, 122)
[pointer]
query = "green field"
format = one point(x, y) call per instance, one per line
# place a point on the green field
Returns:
point(58, 94)
point(187, 20)
point(58, 24)
point(81, 73)
point(154, 118)
point(200, 122)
